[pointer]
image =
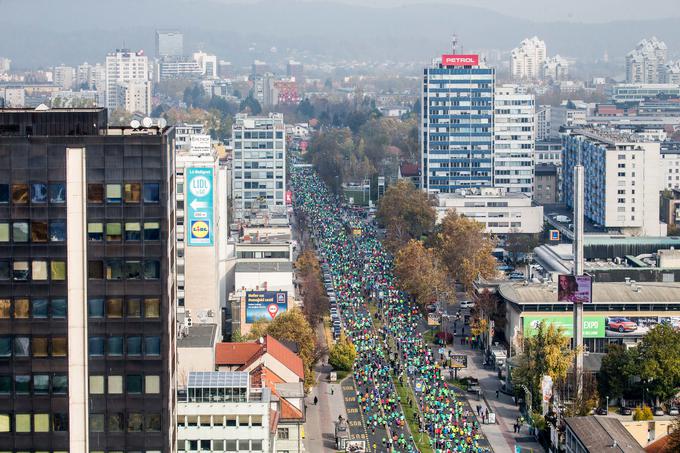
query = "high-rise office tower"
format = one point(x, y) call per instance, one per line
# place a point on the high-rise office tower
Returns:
point(646, 63)
point(515, 139)
point(457, 124)
point(86, 284)
point(169, 43)
point(259, 175)
point(526, 61)
point(127, 81)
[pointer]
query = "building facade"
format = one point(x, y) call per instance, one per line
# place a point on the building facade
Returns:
point(456, 129)
point(527, 60)
point(515, 140)
point(169, 43)
point(547, 189)
point(646, 63)
point(127, 81)
point(86, 276)
point(623, 179)
point(259, 172)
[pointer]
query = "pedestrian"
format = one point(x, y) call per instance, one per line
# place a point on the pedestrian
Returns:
point(497, 393)
point(332, 391)
point(316, 400)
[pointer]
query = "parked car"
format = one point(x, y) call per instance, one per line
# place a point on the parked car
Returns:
point(624, 410)
point(621, 325)
point(516, 276)
point(602, 411)
point(467, 304)
point(658, 411)
point(673, 410)
point(431, 308)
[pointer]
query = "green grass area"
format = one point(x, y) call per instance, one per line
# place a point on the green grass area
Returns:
point(360, 198)
point(373, 309)
point(405, 392)
point(428, 336)
point(342, 374)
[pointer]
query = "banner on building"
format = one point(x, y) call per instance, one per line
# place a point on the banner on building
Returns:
point(593, 326)
point(200, 206)
point(575, 289)
point(265, 305)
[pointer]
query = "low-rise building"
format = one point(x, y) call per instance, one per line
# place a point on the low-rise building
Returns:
point(547, 184)
point(597, 434)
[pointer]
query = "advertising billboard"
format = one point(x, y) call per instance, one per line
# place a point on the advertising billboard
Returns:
point(460, 60)
point(575, 289)
point(200, 206)
point(265, 305)
point(636, 326)
point(593, 326)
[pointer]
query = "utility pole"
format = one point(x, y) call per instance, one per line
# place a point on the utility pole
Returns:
point(578, 270)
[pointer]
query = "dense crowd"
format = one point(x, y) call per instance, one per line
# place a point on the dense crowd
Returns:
point(361, 270)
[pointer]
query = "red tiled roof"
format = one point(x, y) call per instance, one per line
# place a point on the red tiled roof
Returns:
point(284, 355)
point(289, 412)
point(235, 353)
point(409, 170)
point(658, 446)
point(273, 420)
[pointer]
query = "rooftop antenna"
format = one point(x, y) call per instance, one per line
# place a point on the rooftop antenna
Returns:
point(454, 43)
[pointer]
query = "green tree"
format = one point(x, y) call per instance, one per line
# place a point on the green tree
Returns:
point(406, 212)
point(643, 413)
point(250, 105)
point(673, 444)
point(342, 355)
point(545, 353)
point(305, 108)
point(618, 368)
point(659, 361)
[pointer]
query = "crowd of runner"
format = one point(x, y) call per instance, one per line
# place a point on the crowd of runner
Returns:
point(361, 271)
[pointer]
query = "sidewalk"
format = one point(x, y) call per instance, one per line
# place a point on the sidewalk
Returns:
point(500, 435)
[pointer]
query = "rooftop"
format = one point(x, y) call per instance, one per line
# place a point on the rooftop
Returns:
point(198, 336)
point(608, 136)
point(265, 267)
point(603, 433)
point(218, 379)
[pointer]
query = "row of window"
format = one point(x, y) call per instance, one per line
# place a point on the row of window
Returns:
point(34, 231)
point(129, 231)
point(24, 346)
point(134, 192)
point(36, 308)
point(219, 445)
point(135, 307)
point(118, 346)
point(38, 270)
point(116, 422)
point(36, 384)
point(36, 423)
point(133, 384)
point(116, 269)
point(36, 193)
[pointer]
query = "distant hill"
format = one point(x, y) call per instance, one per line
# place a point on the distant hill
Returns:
point(48, 32)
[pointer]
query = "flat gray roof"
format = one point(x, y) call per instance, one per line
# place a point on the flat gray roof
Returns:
point(265, 267)
point(598, 434)
point(609, 292)
point(200, 336)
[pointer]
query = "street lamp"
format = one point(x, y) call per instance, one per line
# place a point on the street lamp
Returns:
point(607, 404)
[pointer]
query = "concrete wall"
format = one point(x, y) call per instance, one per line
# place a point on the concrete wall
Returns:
point(193, 359)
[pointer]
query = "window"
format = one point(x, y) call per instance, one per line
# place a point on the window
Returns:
point(114, 270)
point(21, 308)
point(152, 307)
point(60, 384)
point(95, 231)
point(38, 192)
point(95, 308)
point(95, 193)
point(151, 193)
point(57, 192)
point(39, 308)
point(113, 193)
point(133, 231)
point(5, 308)
point(115, 386)
point(41, 384)
point(58, 270)
point(133, 192)
point(4, 270)
point(20, 193)
point(95, 270)
point(113, 232)
point(60, 422)
point(5, 346)
point(152, 423)
point(39, 231)
point(135, 423)
point(133, 384)
point(57, 230)
point(97, 423)
point(134, 308)
point(134, 345)
point(22, 384)
point(4, 193)
point(58, 308)
point(39, 346)
point(39, 270)
point(97, 384)
point(4, 232)
point(133, 270)
point(59, 347)
point(114, 346)
point(21, 346)
point(20, 270)
point(4, 423)
point(114, 307)
point(22, 423)
point(152, 231)
point(20, 231)
point(152, 384)
point(115, 424)
point(152, 345)
point(282, 433)
point(96, 346)
point(152, 270)
point(5, 385)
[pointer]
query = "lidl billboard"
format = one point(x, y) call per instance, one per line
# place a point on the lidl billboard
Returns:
point(593, 326)
point(200, 206)
point(265, 305)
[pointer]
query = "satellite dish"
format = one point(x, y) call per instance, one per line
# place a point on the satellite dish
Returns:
point(162, 123)
point(147, 122)
point(134, 124)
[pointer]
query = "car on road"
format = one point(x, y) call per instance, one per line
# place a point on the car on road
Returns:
point(516, 276)
point(602, 411)
point(673, 410)
point(624, 410)
point(621, 325)
point(658, 411)
point(467, 304)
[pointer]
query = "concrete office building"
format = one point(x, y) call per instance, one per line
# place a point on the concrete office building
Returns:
point(513, 161)
point(499, 211)
point(567, 116)
point(456, 129)
point(547, 189)
point(64, 76)
point(169, 68)
point(259, 172)
point(543, 118)
point(556, 68)
point(207, 63)
point(637, 92)
point(646, 63)
point(623, 179)
point(672, 73)
point(127, 81)
point(670, 166)
point(169, 43)
point(527, 60)
point(86, 284)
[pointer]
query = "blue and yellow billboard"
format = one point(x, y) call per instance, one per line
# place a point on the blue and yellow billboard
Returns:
point(200, 206)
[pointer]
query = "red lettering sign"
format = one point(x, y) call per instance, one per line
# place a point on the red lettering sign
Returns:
point(460, 60)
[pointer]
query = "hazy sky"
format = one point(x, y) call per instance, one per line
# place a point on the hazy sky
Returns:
point(550, 10)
